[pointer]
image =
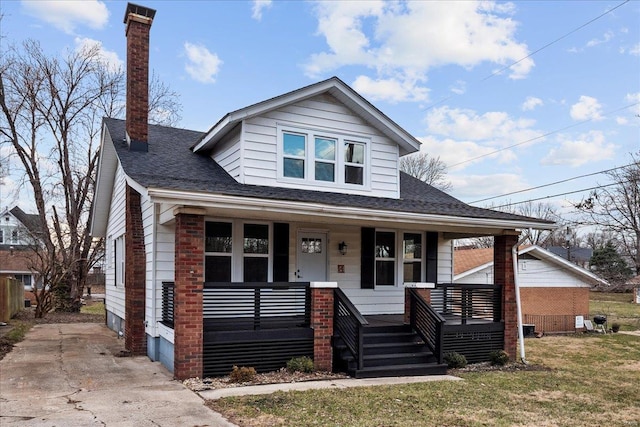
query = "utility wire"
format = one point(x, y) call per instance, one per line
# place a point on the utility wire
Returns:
point(550, 184)
point(533, 53)
point(540, 136)
point(555, 195)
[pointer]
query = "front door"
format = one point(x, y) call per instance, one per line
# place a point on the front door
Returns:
point(312, 257)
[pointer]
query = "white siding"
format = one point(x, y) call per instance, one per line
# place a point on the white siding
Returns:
point(228, 155)
point(532, 273)
point(256, 161)
point(114, 296)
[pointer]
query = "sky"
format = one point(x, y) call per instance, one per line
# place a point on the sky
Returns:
point(509, 95)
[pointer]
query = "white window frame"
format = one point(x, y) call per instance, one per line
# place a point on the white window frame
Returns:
point(222, 254)
point(421, 260)
point(119, 261)
point(386, 259)
point(310, 160)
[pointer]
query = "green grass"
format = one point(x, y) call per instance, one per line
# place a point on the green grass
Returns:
point(95, 308)
point(582, 380)
point(18, 330)
point(618, 307)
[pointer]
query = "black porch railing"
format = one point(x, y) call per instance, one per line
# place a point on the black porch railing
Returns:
point(462, 303)
point(253, 306)
point(167, 303)
point(427, 323)
point(349, 324)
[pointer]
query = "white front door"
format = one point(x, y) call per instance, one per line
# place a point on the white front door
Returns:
point(312, 257)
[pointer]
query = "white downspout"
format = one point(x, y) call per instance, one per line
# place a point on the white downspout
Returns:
point(514, 256)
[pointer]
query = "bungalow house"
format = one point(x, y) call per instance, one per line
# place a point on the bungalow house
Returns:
point(18, 234)
point(286, 229)
point(553, 291)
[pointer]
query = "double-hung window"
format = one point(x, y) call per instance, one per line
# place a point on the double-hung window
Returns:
point(322, 158)
point(256, 253)
point(218, 249)
point(118, 261)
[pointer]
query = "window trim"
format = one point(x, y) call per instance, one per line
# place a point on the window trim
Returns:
point(310, 158)
point(119, 258)
point(386, 259)
point(421, 260)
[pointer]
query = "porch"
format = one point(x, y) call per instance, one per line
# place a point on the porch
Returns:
point(263, 325)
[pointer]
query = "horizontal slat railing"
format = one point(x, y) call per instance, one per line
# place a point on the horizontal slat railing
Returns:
point(467, 302)
point(167, 303)
point(254, 306)
point(349, 323)
point(427, 323)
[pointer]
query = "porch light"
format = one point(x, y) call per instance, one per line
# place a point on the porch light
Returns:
point(342, 247)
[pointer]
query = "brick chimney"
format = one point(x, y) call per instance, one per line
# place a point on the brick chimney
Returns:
point(138, 21)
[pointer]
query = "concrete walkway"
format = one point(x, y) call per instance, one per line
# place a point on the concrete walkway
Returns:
point(70, 375)
point(314, 385)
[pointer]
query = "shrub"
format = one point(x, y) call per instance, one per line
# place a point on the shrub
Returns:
point(242, 375)
point(300, 364)
point(499, 357)
point(615, 327)
point(455, 360)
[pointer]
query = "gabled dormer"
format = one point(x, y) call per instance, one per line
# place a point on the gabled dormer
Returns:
point(323, 137)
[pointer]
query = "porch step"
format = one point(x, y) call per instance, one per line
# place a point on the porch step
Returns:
point(400, 370)
point(388, 350)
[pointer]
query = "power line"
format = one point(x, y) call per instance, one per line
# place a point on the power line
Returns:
point(555, 195)
point(551, 183)
point(540, 136)
point(556, 40)
point(534, 52)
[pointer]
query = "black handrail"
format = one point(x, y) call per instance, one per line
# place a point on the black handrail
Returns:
point(426, 322)
point(167, 303)
point(349, 323)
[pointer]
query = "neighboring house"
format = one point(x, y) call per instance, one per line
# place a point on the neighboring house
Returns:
point(286, 229)
point(18, 235)
point(553, 291)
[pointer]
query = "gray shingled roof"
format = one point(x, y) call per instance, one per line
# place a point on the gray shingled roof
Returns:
point(170, 164)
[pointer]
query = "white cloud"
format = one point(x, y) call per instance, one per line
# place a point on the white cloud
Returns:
point(390, 89)
point(622, 120)
point(605, 38)
point(531, 103)
point(459, 87)
point(402, 41)
point(587, 108)
point(478, 186)
point(108, 57)
point(635, 50)
point(66, 15)
point(494, 127)
point(203, 65)
point(258, 7)
point(586, 148)
point(634, 98)
point(460, 154)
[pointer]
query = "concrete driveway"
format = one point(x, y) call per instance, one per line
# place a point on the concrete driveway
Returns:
point(71, 375)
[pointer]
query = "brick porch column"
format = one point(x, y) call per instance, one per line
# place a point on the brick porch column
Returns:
point(135, 339)
point(424, 289)
point(322, 324)
point(503, 275)
point(189, 279)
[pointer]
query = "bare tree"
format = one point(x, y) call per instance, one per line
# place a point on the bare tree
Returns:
point(616, 208)
point(52, 109)
point(431, 170)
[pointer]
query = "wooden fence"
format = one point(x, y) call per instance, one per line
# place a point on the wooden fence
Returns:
point(11, 298)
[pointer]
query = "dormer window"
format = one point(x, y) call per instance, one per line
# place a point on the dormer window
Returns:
point(322, 158)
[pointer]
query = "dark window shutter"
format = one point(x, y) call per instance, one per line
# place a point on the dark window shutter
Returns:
point(280, 252)
point(432, 257)
point(367, 258)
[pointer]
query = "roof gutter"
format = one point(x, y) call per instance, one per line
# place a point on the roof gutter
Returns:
point(287, 207)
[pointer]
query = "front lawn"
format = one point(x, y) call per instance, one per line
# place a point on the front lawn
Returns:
point(581, 380)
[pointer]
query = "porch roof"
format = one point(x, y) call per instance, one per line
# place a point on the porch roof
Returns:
point(171, 166)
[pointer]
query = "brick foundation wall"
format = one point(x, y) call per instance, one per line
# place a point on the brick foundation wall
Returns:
point(546, 306)
point(189, 279)
point(503, 275)
point(322, 324)
point(134, 277)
